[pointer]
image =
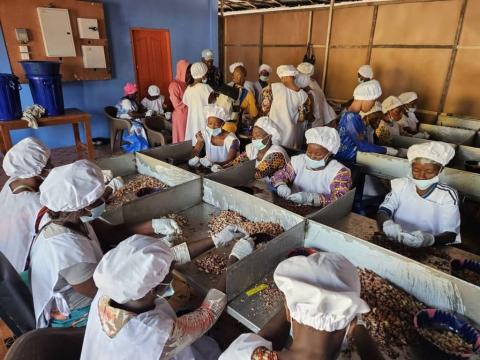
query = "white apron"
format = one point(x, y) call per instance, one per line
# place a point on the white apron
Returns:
point(392, 127)
point(284, 111)
point(218, 154)
point(409, 121)
point(17, 224)
point(253, 152)
point(57, 248)
point(196, 98)
point(155, 105)
point(327, 113)
point(318, 181)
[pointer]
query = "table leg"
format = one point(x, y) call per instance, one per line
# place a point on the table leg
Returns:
point(88, 139)
point(78, 142)
point(7, 140)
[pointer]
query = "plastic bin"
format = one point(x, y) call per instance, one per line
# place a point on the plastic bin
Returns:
point(40, 68)
point(10, 106)
point(47, 91)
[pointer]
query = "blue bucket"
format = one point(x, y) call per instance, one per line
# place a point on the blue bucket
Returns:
point(47, 91)
point(40, 68)
point(10, 106)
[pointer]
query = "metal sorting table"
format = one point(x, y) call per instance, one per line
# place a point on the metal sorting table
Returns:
point(461, 122)
point(465, 153)
point(404, 142)
point(449, 134)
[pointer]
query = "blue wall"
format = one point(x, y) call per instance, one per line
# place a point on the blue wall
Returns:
point(193, 26)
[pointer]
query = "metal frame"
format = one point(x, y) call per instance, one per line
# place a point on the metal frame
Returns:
point(461, 122)
point(449, 134)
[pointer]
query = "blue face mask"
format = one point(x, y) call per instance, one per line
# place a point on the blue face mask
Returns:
point(95, 213)
point(258, 144)
point(213, 132)
point(315, 164)
point(169, 291)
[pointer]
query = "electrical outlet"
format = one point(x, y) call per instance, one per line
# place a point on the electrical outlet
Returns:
point(25, 56)
point(23, 48)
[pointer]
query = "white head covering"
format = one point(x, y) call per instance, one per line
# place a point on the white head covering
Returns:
point(377, 107)
point(153, 90)
point(136, 266)
point(366, 71)
point(233, 66)
point(306, 68)
point(267, 125)
point(198, 70)
point(207, 54)
point(324, 136)
point(26, 159)
point(437, 151)
point(302, 80)
point(72, 187)
point(390, 103)
point(408, 97)
point(286, 70)
point(265, 67)
point(322, 290)
point(213, 110)
point(369, 90)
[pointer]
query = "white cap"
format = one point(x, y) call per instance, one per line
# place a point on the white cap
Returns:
point(302, 80)
point(207, 54)
point(198, 70)
point(322, 290)
point(233, 66)
point(26, 159)
point(390, 103)
point(72, 187)
point(377, 107)
point(213, 110)
point(408, 97)
point(324, 136)
point(306, 68)
point(265, 67)
point(153, 90)
point(369, 90)
point(286, 70)
point(136, 266)
point(437, 151)
point(366, 71)
point(267, 125)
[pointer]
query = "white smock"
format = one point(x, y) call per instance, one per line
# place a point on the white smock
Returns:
point(314, 181)
point(326, 112)
point(435, 212)
point(196, 98)
point(284, 112)
point(218, 153)
point(17, 223)
point(57, 248)
point(409, 121)
point(244, 346)
point(252, 153)
point(154, 105)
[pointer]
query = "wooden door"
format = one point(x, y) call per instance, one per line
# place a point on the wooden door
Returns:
point(152, 59)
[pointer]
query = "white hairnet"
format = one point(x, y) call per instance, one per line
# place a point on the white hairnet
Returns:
point(233, 66)
point(437, 151)
point(369, 90)
point(72, 187)
point(324, 136)
point(377, 107)
point(213, 110)
point(408, 97)
point(302, 80)
point(136, 266)
point(306, 68)
point(390, 103)
point(207, 54)
point(265, 67)
point(286, 70)
point(26, 159)
point(267, 125)
point(366, 71)
point(153, 90)
point(198, 70)
point(322, 290)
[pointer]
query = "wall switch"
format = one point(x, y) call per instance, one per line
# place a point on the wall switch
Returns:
point(23, 48)
point(25, 56)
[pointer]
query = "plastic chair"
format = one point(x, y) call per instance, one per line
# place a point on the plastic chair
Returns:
point(16, 303)
point(48, 344)
point(117, 125)
point(159, 130)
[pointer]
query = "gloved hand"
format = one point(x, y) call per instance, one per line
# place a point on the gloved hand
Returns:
point(243, 248)
point(391, 151)
point(165, 226)
point(417, 239)
point(284, 191)
point(149, 113)
point(216, 168)
point(229, 233)
point(169, 240)
point(392, 230)
point(116, 184)
point(205, 162)
point(194, 162)
point(107, 176)
point(303, 198)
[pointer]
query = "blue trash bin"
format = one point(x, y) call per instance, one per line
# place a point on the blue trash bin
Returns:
point(10, 106)
point(47, 91)
point(40, 68)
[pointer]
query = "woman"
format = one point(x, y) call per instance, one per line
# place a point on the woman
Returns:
point(372, 120)
point(420, 211)
point(409, 121)
point(264, 72)
point(316, 178)
point(176, 89)
point(392, 109)
point(352, 130)
point(154, 102)
point(270, 157)
point(196, 98)
point(221, 146)
point(26, 164)
point(322, 303)
point(131, 315)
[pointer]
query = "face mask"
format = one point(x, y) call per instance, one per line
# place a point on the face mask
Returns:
point(360, 80)
point(425, 184)
point(264, 78)
point(259, 144)
point(412, 109)
point(169, 291)
point(204, 81)
point(315, 164)
point(95, 213)
point(213, 132)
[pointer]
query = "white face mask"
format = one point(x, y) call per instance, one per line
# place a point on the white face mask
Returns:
point(169, 291)
point(264, 78)
point(425, 184)
point(95, 213)
point(213, 132)
point(412, 109)
point(204, 81)
point(259, 143)
point(316, 164)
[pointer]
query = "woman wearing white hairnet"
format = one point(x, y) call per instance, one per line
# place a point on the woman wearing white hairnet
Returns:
point(322, 303)
point(130, 316)
point(316, 179)
point(154, 102)
point(392, 109)
point(420, 211)
point(26, 164)
point(270, 157)
point(264, 72)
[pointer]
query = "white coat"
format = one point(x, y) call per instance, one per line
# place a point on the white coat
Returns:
point(218, 154)
point(196, 98)
point(326, 112)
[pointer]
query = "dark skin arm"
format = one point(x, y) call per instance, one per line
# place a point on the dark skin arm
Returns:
point(113, 234)
point(199, 145)
point(277, 330)
point(366, 347)
point(381, 218)
point(87, 288)
point(445, 238)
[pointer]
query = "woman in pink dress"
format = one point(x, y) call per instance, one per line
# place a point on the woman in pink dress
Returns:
point(176, 89)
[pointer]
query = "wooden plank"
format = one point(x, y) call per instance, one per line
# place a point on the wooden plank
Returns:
point(248, 55)
point(348, 32)
point(286, 28)
point(243, 29)
point(275, 56)
point(319, 27)
point(470, 32)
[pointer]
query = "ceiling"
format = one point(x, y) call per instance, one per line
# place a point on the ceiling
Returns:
point(238, 5)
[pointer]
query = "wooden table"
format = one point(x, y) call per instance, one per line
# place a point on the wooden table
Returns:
point(71, 116)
